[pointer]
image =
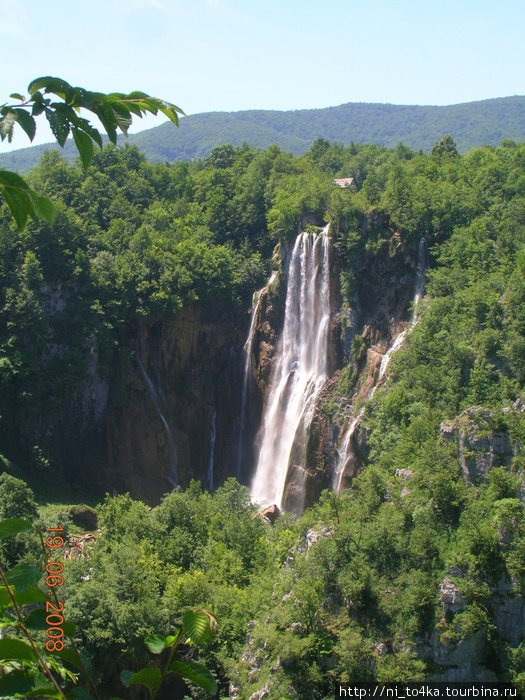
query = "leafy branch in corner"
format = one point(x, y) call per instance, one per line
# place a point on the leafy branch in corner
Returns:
point(115, 111)
point(26, 671)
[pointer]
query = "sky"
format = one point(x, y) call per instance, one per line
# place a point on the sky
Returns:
point(229, 55)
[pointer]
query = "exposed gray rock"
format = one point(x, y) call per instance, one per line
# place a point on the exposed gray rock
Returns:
point(464, 656)
point(311, 536)
point(509, 616)
point(481, 445)
point(450, 598)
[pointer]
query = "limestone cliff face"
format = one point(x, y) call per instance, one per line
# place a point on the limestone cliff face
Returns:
point(143, 422)
point(360, 333)
point(170, 380)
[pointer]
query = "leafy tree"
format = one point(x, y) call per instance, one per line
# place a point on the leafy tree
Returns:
point(16, 498)
point(445, 147)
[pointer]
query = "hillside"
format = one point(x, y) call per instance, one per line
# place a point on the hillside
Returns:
point(471, 124)
point(400, 554)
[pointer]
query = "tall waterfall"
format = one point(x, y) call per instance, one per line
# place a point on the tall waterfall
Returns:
point(300, 368)
point(248, 345)
point(213, 433)
point(344, 448)
point(161, 406)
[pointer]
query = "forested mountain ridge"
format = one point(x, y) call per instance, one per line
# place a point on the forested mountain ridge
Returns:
point(471, 124)
point(415, 570)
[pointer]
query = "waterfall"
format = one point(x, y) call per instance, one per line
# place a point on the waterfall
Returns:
point(300, 368)
point(342, 452)
point(209, 479)
point(248, 345)
point(160, 403)
point(344, 448)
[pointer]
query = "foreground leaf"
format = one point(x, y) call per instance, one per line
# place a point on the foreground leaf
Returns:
point(69, 628)
point(16, 650)
point(84, 146)
point(150, 677)
point(12, 526)
point(196, 673)
point(155, 643)
point(197, 625)
point(23, 201)
point(36, 620)
point(15, 684)
point(31, 595)
point(5, 600)
point(125, 677)
point(71, 656)
point(23, 577)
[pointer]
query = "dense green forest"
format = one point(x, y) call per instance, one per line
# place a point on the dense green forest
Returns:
point(471, 124)
point(350, 590)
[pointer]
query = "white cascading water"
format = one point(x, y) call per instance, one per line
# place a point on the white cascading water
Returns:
point(213, 433)
point(159, 401)
point(343, 450)
point(300, 369)
point(248, 345)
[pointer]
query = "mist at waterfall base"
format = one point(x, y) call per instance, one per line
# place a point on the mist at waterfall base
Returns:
point(299, 372)
point(343, 452)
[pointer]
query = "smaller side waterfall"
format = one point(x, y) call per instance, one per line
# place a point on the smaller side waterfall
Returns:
point(213, 432)
point(160, 403)
point(248, 346)
point(344, 448)
point(342, 451)
point(422, 266)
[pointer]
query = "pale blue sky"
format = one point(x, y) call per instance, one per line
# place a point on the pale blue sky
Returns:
point(207, 55)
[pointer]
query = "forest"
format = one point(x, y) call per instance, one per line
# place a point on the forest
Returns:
point(355, 588)
point(471, 124)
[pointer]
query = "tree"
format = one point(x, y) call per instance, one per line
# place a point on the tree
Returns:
point(446, 146)
point(115, 112)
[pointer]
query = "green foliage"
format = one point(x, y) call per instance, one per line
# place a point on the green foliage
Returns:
point(135, 241)
point(27, 671)
point(16, 499)
point(198, 625)
point(114, 111)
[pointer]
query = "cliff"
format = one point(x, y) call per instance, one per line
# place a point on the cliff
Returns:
point(361, 330)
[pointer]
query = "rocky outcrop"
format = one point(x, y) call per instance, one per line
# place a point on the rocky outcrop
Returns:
point(483, 442)
point(270, 513)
